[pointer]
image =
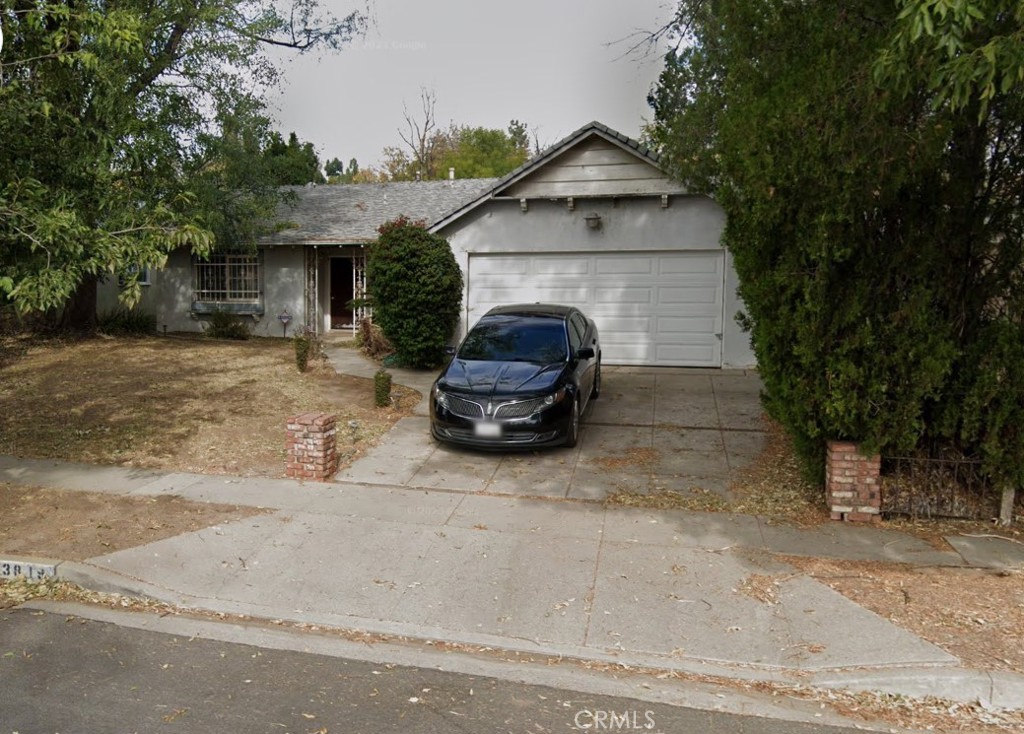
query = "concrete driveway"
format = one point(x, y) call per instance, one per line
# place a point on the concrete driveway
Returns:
point(652, 428)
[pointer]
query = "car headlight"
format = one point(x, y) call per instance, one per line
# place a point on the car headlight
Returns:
point(555, 397)
point(441, 398)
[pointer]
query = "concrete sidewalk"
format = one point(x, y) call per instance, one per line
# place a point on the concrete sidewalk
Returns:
point(572, 579)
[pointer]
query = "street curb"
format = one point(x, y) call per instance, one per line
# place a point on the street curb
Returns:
point(992, 689)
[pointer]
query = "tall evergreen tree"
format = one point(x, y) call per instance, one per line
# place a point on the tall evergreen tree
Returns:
point(868, 155)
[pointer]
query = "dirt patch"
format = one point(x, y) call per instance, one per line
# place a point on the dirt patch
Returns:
point(177, 404)
point(975, 614)
point(170, 404)
point(72, 526)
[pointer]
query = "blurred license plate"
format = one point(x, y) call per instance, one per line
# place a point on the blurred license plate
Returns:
point(488, 430)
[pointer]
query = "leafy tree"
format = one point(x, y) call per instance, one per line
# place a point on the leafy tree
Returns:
point(334, 167)
point(338, 173)
point(519, 135)
point(292, 163)
point(232, 182)
point(416, 287)
point(873, 204)
point(369, 175)
point(474, 152)
point(104, 109)
point(478, 152)
point(429, 151)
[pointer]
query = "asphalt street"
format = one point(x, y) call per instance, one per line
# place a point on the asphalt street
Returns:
point(67, 673)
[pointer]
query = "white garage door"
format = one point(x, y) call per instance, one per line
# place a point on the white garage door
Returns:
point(652, 308)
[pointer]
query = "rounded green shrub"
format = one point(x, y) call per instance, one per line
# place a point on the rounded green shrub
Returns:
point(382, 388)
point(416, 289)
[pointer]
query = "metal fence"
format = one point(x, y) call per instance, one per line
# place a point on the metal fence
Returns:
point(933, 488)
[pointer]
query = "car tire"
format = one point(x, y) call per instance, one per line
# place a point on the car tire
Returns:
point(573, 436)
point(595, 391)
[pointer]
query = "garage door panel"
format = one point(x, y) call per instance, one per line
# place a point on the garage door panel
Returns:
point(704, 325)
point(500, 266)
point(680, 354)
point(671, 296)
point(652, 308)
point(624, 266)
point(711, 263)
point(561, 266)
point(626, 296)
point(624, 325)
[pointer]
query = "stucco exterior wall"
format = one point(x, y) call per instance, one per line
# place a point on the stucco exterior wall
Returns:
point(283, 289)
point(169, 297)
point(627, 223)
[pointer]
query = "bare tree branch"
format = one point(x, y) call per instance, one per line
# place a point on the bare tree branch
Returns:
point(420, 135)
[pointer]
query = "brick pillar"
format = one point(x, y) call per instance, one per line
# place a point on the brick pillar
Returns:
point(311, 446)
point(853, 487)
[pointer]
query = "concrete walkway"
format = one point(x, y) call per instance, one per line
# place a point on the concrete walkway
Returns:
point(660, 589)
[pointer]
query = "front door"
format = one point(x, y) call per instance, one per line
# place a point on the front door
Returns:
point(341, 292)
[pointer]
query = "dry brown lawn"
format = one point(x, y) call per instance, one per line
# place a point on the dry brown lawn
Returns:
point(169, 403)
point(176, 403)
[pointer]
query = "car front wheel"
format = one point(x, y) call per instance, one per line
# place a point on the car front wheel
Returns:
point(574, 424)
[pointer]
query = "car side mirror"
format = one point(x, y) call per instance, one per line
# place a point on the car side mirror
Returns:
point(449, 351)
point(585, 353)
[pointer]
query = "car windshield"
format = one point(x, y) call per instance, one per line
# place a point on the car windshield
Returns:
point(516, 339)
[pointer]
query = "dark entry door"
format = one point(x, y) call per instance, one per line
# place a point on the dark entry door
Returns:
point(341, 292)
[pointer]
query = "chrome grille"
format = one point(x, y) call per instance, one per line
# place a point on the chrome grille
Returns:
point(518, 409)
point(464, 408)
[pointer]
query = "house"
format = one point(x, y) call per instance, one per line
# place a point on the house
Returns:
point(593, 221)
point(304, 275)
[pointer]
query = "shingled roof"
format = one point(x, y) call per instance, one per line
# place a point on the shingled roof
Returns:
point(351, 213)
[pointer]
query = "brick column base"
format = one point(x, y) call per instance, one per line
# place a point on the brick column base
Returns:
point(311, 447)
point(853, 486)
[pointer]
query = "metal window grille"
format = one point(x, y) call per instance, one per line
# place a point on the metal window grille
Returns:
point(228, 278)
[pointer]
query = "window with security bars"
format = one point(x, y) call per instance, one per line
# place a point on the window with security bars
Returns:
point(227, 278)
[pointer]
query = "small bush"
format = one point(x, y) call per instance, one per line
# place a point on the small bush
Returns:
point(382, 388)
point(309, 347)
point(372, 340)
point(416, 287)
point(303, 345)
point(126, 322)
point(224, 325)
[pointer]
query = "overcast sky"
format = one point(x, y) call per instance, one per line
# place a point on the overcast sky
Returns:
point(552, 64)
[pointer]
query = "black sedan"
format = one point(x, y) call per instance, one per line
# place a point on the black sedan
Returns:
point(522, 377)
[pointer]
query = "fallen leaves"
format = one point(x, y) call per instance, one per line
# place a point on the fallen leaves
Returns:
point(760, 587)
point(975, 614)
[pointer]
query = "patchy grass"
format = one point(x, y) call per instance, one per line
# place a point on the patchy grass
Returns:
point(176, 404)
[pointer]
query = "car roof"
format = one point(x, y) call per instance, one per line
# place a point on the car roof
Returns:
point(551, 310)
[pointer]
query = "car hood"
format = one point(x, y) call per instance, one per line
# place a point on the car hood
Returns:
point(500, 378)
